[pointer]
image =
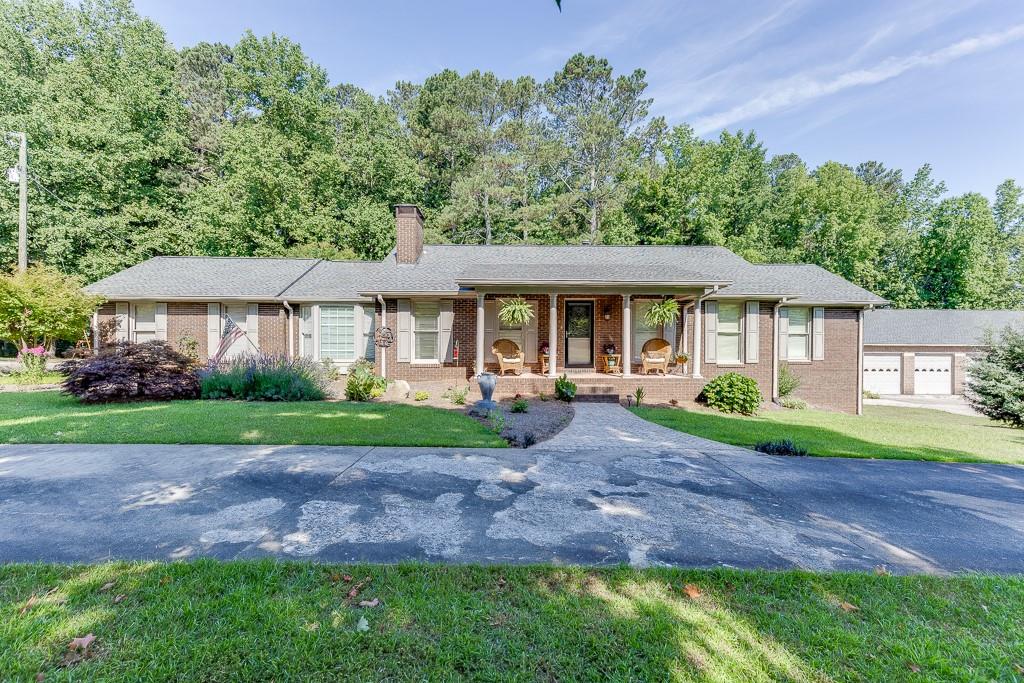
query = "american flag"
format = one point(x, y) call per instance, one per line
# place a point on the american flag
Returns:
point(231, 333)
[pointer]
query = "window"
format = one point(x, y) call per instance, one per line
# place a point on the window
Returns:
point(337, 333)
point(642, 332)
point(729, 316)
point(798, 342)
point(426, 317)
point(145, 323)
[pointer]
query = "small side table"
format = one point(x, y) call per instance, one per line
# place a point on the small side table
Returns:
point(612, 363)
point(544, 363)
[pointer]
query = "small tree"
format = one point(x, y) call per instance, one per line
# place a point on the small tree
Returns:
point(995, 382)
point(42, 305)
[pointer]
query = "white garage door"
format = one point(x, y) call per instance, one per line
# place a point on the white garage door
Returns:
point(933, 374)
point(882, 374)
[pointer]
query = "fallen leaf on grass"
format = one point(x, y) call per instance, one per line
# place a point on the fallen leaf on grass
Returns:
point(82, 643)
point(107, 586)
point(40, 677)
point(347, 578)
point(334, 578)
point(692, 591)
point(362, 625)
point(29, 604)
point(881, 570)
point(354, 593)
point(914, 667)
point(312, 626)
point(369, 603)
point(1018, 668)
point(164, 580)
point(848, 607)
point(119, 598)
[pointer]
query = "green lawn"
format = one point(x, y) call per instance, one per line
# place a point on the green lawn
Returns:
point(49, 417)
point(881, 432)
point(220, 621)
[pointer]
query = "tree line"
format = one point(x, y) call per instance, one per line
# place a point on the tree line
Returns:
point(138, 149)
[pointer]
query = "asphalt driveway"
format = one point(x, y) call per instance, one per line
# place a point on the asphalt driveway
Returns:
point(702, 506)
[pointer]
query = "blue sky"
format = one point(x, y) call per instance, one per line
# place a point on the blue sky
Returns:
point(903, 82)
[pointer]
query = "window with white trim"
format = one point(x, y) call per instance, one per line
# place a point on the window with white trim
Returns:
point(145, 322)
point(337, 333)
point(729, 332)
point(426, 328)
point(798, 341)
point(643, 332)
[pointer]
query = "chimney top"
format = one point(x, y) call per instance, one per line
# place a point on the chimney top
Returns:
point(408, 233)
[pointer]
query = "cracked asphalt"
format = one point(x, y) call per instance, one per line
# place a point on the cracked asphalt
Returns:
point(699, 505)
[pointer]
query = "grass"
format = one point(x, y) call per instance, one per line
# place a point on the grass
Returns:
point(29, 378)
point(267, 620)
point(881, 432)
point(49, 417)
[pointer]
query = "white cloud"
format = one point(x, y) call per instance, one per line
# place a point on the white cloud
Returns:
point(800, 89)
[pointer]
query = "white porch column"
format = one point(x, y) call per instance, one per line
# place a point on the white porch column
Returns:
point(698, 336)
point(479, 334)
point(552, 334)
point(627, 335)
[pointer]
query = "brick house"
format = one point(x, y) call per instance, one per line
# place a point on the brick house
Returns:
point(440, 304)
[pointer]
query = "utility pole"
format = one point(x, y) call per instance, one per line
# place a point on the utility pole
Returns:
point(21, 170)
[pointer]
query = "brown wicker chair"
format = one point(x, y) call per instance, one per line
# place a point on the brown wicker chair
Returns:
point(656, 355)
point(510, 357)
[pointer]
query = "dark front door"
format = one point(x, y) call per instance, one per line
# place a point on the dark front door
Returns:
point(579, 334)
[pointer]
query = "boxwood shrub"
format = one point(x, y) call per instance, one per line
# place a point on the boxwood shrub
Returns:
point(733, 393)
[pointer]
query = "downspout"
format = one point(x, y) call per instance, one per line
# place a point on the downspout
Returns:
point(95, 332)
point(775, 348)
point(383, 350)
point(291, 332)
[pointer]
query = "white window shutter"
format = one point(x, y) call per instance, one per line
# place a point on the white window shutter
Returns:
point(530, 339)
point(252, 327)
point(818, 328)
point(710, 331)
point(445, 336)
point(369, 321)
point(490, 329)
point(783, 333)
point(752, 338)
point(306, 331)
point(212, 329)
point(121, 316)
point(404, 331)
point(161, 321)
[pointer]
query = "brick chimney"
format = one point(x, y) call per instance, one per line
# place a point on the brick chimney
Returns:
point(409, 233)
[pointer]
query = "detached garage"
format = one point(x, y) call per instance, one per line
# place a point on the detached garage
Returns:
point(923, 351)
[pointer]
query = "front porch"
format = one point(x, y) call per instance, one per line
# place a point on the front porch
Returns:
point(596, 386)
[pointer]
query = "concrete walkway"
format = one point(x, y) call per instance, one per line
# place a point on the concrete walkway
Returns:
point(598, 426)
point(948, 404)
point(692, 506)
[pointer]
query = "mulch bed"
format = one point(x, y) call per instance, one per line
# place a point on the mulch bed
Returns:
point(541, 421)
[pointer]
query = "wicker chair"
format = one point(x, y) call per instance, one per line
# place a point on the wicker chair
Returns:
point(510, 357)
point(656, 355)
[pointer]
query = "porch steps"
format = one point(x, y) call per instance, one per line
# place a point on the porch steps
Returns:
point(597, 393)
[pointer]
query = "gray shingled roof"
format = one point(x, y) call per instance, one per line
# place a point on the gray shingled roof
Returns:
point(337, 280)
point(204, 277)
point(446, 268)
point(932, 326)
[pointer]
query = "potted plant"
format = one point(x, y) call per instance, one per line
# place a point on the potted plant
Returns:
point(662, 312)
point(515, 312)
point(610, 349)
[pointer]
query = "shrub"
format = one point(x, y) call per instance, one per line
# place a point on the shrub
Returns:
point(264, 378)
point(783, 447)
point(788, 382)
point(867, 393)
point(331, 371)
point(520, 406)
point(565, 389)
point(497, 421)
point(362, 384)
point(457, 395)
point(733, 393)
point(793, 403)
point(153, 371)
point(995, 382)
point(189, 347)
point(421, 396)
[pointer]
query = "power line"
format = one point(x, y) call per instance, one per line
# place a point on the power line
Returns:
point(105, 231)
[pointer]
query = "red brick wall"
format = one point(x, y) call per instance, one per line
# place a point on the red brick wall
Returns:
point(187, 320)
point(273, 329)
point(832, 383)
point(409, 234)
